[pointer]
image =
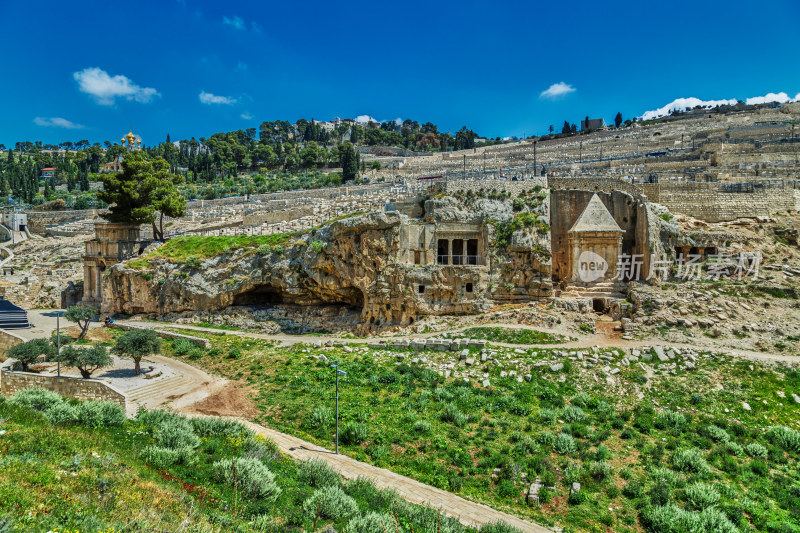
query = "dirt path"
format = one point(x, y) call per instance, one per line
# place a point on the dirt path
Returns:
point(468, 513)
point(601, 340)
point(210, 395)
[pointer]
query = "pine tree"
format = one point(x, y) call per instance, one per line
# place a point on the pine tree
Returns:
point(618, 120)
point(565, 128)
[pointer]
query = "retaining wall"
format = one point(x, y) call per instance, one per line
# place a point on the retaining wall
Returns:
point(82, 389)
point(198, 341)
point(8, 339)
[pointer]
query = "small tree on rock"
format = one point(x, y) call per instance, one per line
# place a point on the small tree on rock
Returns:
point(81, 316)
point(137, 344)
point(29, 352)
point(87, 361)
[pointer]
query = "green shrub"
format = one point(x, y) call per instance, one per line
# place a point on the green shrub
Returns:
point(181, 347)
point(600, 470)
point(564, 444)
point(321, 417)
point(756, 450)
point(581, 400)
point(316, 473)
point(354, 433)
point(733, 448)
point(98, 414)
point(700, 496)
point(452, 414)
point(717, 434)
point(547, 416)
point(759, 467)
point(264, 249)
point(161, 457)
point(371, 522)
point(251, 476)
point(62, 413)
point(690, 460)
point(213, 426)
point(573, 414)
point(670, 518)
point(546, 438)
point(632, 490)
point(498, 527)
point(422, 426)
point(156, 417)
point(35, 398)
point(330, 502)
point(176, 433)
point(277, 249)
point(317, 246)
point(786, 438)
point(670, 420)
point(572, 473)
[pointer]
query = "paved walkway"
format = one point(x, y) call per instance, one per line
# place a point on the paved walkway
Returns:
point(468, 513)
point(584, 342)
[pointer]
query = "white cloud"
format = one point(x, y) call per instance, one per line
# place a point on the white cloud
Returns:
point(557, 90)
point(235, 21)
point(246, 116)
point(781, 98)
point(682, 104)
point(365, 119)
point(398, 121)
point(255, 26)
point(211, 99)
point(105, 88)
point(57, 122)
point(241, 66)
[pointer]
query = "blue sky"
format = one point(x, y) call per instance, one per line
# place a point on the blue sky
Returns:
point(188, 68)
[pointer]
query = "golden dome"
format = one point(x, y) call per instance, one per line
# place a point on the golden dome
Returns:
point(131, 137)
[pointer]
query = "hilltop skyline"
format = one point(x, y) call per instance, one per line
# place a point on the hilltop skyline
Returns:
point(196, 68)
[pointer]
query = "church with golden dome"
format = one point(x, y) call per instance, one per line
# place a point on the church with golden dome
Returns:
point(131, 141)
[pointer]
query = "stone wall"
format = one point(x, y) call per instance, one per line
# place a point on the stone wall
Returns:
point(256, 219)
point(7, 340)
point(513, 187)
point(38, 220)
point(82, 389)
point(712, 202)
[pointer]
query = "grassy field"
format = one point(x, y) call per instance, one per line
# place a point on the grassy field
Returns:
point(510, 336)
point(672, 451)
point(197, 248)
point(82, 467)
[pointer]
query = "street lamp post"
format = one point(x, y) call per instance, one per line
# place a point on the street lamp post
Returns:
point(342, 372)
point(58, 340)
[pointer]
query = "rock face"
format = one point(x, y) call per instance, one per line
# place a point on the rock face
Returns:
point(381, 269)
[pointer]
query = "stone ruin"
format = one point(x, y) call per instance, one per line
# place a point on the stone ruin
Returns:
point(440, 254)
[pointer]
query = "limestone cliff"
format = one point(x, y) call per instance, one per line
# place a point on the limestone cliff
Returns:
point(382, 268)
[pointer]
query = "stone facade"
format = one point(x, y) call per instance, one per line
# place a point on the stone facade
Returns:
point(8, 339)
point(82, 389)
point(112, 243)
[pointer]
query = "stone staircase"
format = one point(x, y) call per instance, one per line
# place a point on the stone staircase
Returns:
point(603, 289)
point(156, 393)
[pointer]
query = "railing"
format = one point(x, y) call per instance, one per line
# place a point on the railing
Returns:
point(458, 260)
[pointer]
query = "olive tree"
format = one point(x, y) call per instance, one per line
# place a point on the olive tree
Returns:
point(137, 344)
point(81, 316)
point(87, 360)
point(29, 352)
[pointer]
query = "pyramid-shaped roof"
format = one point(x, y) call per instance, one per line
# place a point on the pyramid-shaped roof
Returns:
point(595, 218)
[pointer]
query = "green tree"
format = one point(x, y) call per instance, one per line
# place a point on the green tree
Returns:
point(349, 161)
point(565, 128)
point(140, 190)
point(29, 352)
point(136, 344)
point(87, 360)
point(81, 316)
point(618, 119)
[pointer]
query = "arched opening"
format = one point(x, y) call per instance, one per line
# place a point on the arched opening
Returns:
point(258, 296)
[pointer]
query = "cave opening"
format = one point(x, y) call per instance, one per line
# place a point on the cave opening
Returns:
point(259, 295)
